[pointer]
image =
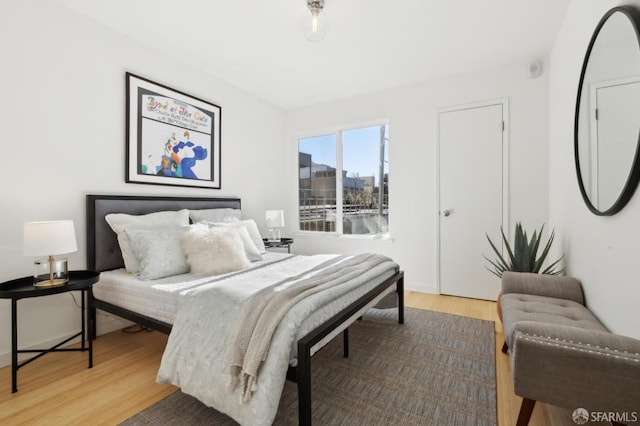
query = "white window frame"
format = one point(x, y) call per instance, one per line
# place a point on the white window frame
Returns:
point(337, 131)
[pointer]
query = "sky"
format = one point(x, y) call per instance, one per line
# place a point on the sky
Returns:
point(360, 149)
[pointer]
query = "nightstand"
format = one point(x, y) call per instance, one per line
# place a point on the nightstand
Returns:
point(23, 288)
point(284, 242)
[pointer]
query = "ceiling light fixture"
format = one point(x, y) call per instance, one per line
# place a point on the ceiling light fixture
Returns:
point(316, 28)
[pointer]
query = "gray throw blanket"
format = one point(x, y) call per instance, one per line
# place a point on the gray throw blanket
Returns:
point(251, 337)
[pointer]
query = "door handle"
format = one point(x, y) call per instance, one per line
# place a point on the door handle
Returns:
point(446, 213)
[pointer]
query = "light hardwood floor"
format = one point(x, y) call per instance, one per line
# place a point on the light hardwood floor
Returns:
point(59, 389)
point(508, 402)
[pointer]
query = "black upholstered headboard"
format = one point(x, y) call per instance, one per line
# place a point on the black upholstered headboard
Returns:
point(103, 251)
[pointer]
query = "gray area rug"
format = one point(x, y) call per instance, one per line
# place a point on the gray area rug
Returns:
point(436, 369)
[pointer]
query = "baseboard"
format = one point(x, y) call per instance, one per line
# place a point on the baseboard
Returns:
point(420, 287)
point(108, 323)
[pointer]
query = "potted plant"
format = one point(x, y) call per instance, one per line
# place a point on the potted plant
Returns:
point(523, 255)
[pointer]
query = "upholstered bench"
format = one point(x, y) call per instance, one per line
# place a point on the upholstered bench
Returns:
point(560, 353)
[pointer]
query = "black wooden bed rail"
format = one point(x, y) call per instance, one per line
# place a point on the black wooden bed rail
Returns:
point(139, 319)
point(349, 314)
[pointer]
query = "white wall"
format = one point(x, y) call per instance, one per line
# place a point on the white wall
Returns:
point(62, 112)
point(601, 251)
point(411, 112)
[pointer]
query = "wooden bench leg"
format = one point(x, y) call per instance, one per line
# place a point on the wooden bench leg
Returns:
point(505, 348)
point(525, 411)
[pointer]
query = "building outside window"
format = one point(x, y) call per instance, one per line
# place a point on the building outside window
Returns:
point(343, 181)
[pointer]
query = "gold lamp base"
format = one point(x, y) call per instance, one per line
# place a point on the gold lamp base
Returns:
point(48, 283)
point(50, 272)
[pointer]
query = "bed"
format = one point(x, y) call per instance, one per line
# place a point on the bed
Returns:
point(103, 254)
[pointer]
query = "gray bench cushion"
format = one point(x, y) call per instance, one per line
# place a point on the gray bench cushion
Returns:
point(560, 287)
point(525, 307)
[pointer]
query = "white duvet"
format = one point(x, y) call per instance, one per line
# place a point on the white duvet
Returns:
point(194, 358)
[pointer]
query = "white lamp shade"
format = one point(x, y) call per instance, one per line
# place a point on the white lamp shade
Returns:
point(274, 218)
point(49, 238)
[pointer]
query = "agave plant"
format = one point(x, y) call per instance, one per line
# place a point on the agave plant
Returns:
point(524, 255)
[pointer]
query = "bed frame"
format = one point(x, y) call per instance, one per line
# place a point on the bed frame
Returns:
point(103, 254)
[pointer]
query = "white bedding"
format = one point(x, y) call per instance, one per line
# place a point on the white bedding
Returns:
point(194, 359)
point(203, 311)
point(157, 299)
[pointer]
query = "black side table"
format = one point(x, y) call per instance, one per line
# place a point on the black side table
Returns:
point(284, 242)
point(23, 288)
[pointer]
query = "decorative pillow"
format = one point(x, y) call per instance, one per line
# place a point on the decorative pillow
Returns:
point(252, 228)
point(119, 221)
point(215, 215)
point(214, 251)
point(159, 251)
point(250, 248)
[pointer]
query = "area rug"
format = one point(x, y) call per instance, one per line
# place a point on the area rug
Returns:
point(436, 369)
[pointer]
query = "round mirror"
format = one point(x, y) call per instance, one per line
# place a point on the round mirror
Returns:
point(607, 122)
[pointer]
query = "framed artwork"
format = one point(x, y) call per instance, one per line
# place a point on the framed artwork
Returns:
point(172, 138)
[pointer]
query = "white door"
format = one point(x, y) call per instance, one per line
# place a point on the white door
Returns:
point(616, 136)
point(470, 198)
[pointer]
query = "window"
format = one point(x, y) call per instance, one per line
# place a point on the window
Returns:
point(343, 181)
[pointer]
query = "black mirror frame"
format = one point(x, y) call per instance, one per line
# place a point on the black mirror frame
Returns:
point(634, 174)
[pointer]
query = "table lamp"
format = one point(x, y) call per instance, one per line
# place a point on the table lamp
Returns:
point(274, 220)
point(49, 239)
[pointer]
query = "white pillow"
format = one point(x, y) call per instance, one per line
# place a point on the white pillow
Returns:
point(214, 251)
point(119, 221)
point(250, 248)
point(215, 215)
point(252, 228)
point(159, 251)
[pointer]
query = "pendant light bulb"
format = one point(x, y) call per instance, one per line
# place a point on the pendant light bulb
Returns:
point(316, 28)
